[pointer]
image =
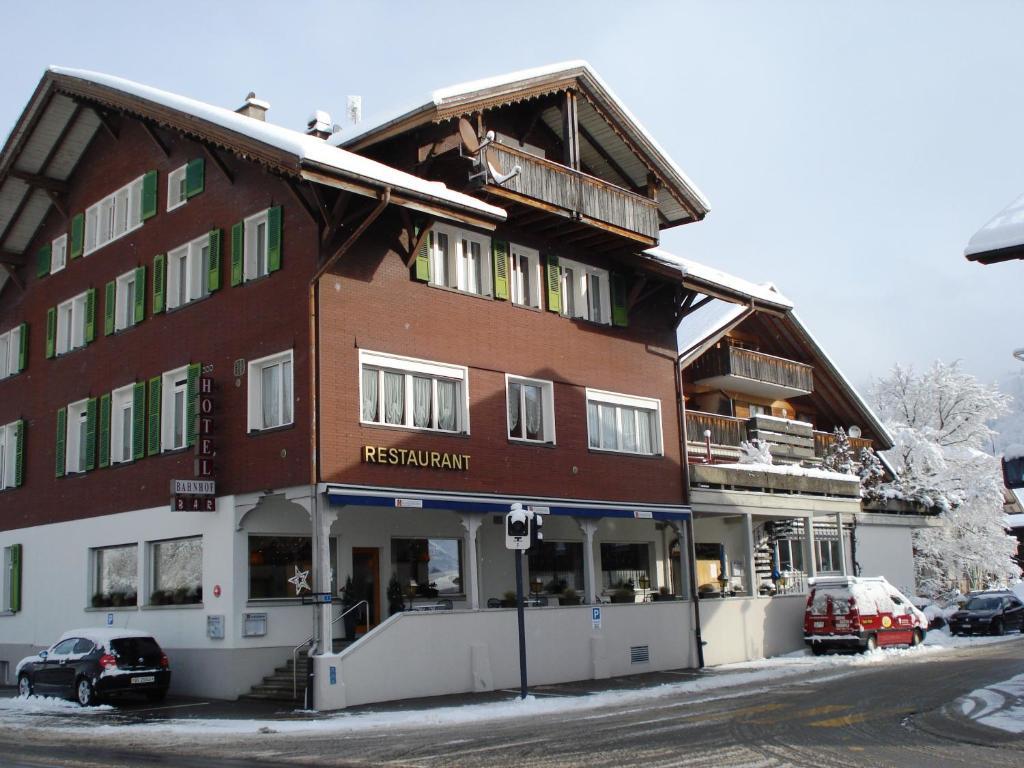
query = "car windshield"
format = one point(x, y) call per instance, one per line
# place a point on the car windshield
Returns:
point(983, 604)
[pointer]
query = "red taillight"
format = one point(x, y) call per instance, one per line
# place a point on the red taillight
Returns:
point(164, 661)
point(108, 661)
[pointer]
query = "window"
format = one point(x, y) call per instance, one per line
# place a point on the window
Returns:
point(433, 566)
point(77, 437)
point(531, 409)
point(58, 254)
point(256, 246)
point(558, 565)
point(790, 555)
point(115, 215)
point(622, 565)
point(174, 409)
point(623, 423)
point(828, 555)
point(127, 291)
point(176, 191)
point(585, 292)
point(10, 597)
point(115, 576)
point(122, 425)
point(177, 575)
point(525, 277)
point(72, 319)
point(405, 392)
point(273, 560)
point(10, 351)
point(10, 439)
point(188, 267)
point(461, 260)
point(270, 392)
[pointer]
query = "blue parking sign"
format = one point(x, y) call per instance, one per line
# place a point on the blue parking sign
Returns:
point(110, 619)
point(596, 616)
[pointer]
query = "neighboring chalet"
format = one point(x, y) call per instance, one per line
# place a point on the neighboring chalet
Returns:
point(1001, 239)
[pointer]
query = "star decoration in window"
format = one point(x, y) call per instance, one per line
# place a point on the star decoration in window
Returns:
point(300, 580)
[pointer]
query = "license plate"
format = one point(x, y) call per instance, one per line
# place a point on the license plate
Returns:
point(144, 679)
point(819, 624)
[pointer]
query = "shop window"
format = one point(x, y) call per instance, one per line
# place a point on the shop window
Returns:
point(623, 565)
point(558, 565)
point(418, 394)
point(432, 566)
point(177, 571)
point(115, 576)
point(531, 410)
point(270, 392)
point(624, 424)
point(273, 560)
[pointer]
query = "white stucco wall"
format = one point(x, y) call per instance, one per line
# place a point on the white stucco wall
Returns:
point(742, 629)
point(886, 550)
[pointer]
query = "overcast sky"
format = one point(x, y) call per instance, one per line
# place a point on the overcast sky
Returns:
point(848, 151)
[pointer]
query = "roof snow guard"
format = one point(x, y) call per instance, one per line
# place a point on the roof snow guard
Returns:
point(1002, 239)
point(70, 105)
point(604, 116)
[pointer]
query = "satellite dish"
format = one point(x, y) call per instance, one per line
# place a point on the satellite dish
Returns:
point(495, 172)
point(854, 431)
point(468, 136)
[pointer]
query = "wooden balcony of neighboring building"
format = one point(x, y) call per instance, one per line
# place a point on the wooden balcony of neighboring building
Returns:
point(592, 208)
point(822, 440)
point(753, 373)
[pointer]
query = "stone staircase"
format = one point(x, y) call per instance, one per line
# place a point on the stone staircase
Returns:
point(278, 685)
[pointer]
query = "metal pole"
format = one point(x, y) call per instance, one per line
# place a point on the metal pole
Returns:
point(522, 630)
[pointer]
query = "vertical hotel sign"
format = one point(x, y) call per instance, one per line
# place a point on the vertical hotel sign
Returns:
point(200, 494)
point(204, 428)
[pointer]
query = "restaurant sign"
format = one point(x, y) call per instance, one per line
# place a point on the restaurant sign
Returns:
point(406, 457)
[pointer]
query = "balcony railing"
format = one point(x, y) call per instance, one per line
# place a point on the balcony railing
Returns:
point(822, 440)
point(583, 196)
point(728, 360)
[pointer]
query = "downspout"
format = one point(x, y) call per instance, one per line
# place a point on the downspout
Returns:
point(314, 433)
point(685, 464)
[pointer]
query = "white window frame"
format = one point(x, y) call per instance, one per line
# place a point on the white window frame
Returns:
point(114, 216)
point(528, 295)
point(94, 558)
point(122, 407)
point(8, 455)
point(577, 289)
point(450, 270)
point(71, 323)
point(547, 408)
point(286, 405)
point(172, 383)
point(192, 259)
point(10, 351)
point(58, 254)
point(124, 302)
point(152, 561)
point(6, 598)
point(411, 367)
point(252, 268)
point(75, 449)
point(620, 401)
point(176, 196)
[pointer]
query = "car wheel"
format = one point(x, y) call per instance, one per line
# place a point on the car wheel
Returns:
point(998, 628)
point(24, 686)
point(818, 649)
point(86, 694)
point(917, 639)
point(871, 643)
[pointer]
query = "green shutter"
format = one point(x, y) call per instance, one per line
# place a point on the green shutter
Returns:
point(423, 257)
point(23, 351)
point(192, 404)
point(77, 235)
point(43, 261)
point(195, 177)
point(105, 430)
point(499, 251)
point(62, 434)
point(213, 276)
point(554, 281)
point(154, 416)
point(90, 434)
point(139, 420)
point(51, 331)
point(90, 315)
point(159, 279)
point(149, 195)
point(109, 303)
point(620, 308)
point(15, 582)
point(19, 453)
point(237, 252)
point(274, 239)
point(140, 294)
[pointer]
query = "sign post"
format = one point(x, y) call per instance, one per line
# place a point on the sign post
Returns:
point(518, 524)
point(518, 554)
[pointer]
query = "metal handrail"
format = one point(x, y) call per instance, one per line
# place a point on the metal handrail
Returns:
point(309, 641)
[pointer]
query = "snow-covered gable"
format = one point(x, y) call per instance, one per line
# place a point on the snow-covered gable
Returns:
point(716, 279)
point(1002, 238)
point(706, 324)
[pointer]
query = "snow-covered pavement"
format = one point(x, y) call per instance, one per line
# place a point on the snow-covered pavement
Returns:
point(1000, 705)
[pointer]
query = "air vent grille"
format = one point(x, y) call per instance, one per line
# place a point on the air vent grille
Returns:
point(640, 654)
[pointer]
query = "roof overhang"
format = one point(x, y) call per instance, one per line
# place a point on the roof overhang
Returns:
point(1001, 239)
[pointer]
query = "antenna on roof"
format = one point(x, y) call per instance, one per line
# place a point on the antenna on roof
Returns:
point(354, 109)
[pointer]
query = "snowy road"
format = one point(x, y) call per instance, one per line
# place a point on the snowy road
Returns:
point(887, 708)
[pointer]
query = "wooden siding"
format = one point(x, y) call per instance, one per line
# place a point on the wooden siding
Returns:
point(729, 360)
point(822, 440)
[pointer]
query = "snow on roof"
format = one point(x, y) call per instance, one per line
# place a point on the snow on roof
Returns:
point(793, 469)
point(103, 635)
point(705, 322)
point(1014, 451)
point(306, 148)
point(767, 293)
point(1005, 230)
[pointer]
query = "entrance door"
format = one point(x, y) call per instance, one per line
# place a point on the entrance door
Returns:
point(366, 570)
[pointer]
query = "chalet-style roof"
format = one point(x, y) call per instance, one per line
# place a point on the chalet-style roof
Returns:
point(608, 129)
point(69, 107)
point(1002, 239)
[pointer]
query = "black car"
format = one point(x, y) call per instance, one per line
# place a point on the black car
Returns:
point(988, 613)
point(88, 664)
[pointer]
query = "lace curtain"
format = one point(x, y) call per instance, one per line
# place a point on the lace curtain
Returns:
point(514, 427)
point(447, 394)
point(394, 398)
point(421, 392)
point(370, 396)
point(645, 425)
point(534, 412)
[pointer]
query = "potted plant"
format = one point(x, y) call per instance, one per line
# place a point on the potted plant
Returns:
point(396, 597)
point(624, 592)
point(509, 600)
point(569, 596)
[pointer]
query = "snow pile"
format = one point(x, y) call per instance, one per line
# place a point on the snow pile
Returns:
point(792, 469)
point(1015, 451)
point(46, 705)
point(1000, 705)
point(755, 452)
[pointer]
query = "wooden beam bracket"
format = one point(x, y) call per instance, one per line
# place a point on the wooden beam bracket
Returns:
point(218, 161)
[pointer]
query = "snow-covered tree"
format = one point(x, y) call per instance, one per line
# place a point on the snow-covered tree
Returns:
point(755, 452)
point(870, 471)
point(839, 456)
point(939, 420)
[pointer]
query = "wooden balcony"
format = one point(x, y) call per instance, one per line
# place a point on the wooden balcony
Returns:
point(822, 440)
point(753, 373)
point(575, 195)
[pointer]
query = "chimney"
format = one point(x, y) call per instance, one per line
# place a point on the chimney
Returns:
point(319, 125)
point(254, 108)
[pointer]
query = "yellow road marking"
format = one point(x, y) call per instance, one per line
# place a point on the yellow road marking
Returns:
point(843, 720)
point(822, 710)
